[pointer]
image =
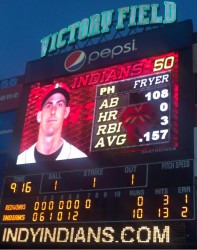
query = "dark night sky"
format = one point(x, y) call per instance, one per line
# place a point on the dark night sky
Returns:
point(23, 23)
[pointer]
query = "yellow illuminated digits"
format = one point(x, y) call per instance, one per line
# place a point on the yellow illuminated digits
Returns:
point(36, 205)
point(184, 212)
point(73, 216)
point(94, 182)
point(76, 204)
point(26, 187)
point(69, 215)
point(132, 179)
point(51, 216)
point(140, 201)
point(59, 216)
point(165, 199)
point(13, 187)
point(138, 213)
point(51, 205)
point(69, 204)
point(186, 198)
point(88, 203)
point(43, 205)
point(163, 213)
point(35, 216)
point(55, 185)
point(61, 205)
point(164, 63)
point(41, 216)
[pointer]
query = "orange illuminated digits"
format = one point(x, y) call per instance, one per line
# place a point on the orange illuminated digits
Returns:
point(13, 186)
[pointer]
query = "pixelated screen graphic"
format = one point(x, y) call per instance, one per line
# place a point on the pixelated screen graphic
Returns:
point(123, 108)
point(76, 128)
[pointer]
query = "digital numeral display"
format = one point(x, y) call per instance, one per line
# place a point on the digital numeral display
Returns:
point(81, 195)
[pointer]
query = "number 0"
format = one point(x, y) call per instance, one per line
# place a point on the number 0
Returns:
point(169, 62)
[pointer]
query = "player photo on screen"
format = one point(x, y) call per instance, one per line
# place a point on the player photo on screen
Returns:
point(47, 117)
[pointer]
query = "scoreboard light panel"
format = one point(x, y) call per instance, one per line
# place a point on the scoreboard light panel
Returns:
point(134, 110)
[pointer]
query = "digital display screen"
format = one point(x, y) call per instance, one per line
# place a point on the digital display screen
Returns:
point(133, 113)
point(126, 176)
point(127, 109)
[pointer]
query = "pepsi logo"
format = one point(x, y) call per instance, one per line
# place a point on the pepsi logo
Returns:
point(75, 61)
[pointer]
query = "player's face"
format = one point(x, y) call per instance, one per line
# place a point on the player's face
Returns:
point(53, 114)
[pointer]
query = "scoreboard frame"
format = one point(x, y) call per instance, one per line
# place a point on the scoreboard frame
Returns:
point(141, 50)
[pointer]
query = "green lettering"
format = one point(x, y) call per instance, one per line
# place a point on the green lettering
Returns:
point(60, 41)
point(83, 29)
point(94, 25)
point(122, 14)
point(45, 45)
point(53, 42)
point(143, 15)
point(133, 13)
point(170, 12)
point(106, 20)
point(154, 16)
point(72, 29)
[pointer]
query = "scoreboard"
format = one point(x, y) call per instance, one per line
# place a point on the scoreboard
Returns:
point(109, 205)
point(81, 195)
point(133, 119)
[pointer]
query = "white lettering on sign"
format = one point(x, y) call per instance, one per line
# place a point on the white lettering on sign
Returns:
point(82, 234)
